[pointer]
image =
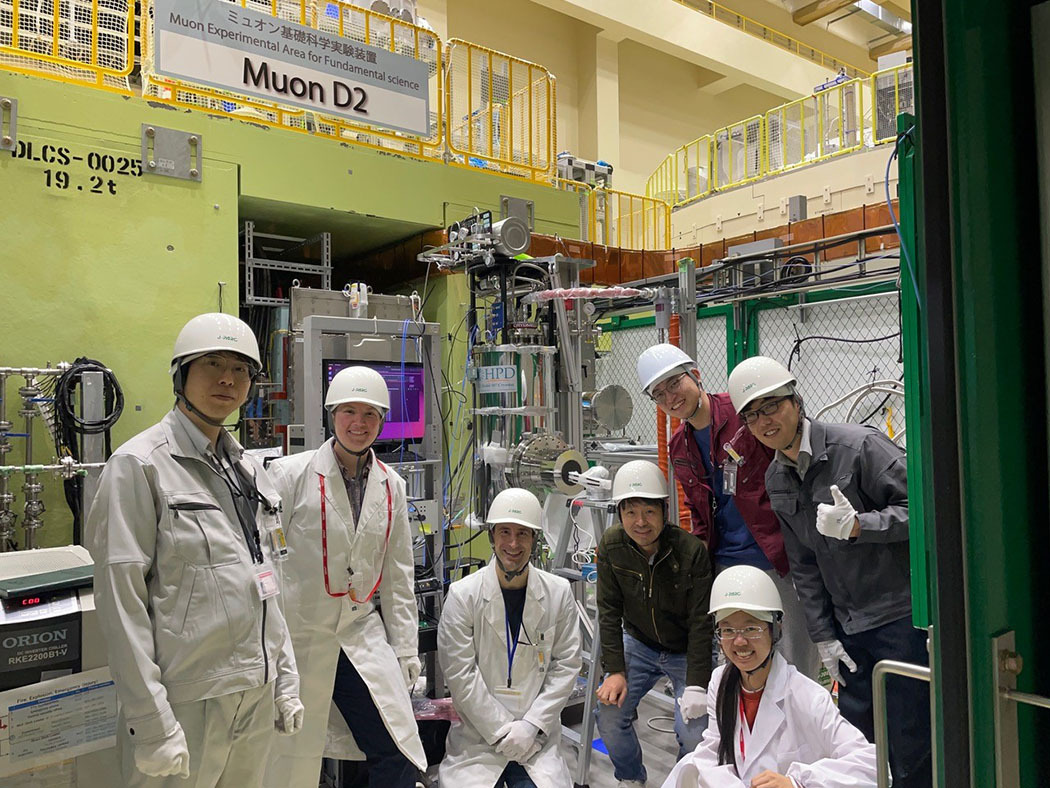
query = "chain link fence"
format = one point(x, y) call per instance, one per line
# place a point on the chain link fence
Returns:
point(712, 355)
point(838, 347)
point(619, 365)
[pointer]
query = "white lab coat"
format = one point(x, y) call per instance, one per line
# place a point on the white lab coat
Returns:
point(798, 732)
point(321, 624)
point(472, 649)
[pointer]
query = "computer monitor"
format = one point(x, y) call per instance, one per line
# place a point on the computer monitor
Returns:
point(406, 420)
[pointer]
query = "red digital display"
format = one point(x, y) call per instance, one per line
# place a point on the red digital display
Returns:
point(11, 604)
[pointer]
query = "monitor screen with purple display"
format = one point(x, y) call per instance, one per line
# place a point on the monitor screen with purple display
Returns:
point(407, 417)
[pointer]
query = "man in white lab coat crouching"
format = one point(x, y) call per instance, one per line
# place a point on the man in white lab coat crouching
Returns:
point(509, 644)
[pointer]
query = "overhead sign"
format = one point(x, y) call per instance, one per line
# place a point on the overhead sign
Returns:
point(496, 380)
point(233, 48)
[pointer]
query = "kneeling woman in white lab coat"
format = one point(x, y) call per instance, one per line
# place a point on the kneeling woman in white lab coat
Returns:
point(770, 726)
point(346, 519)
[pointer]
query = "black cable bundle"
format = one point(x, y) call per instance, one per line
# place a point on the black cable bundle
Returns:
point(70, 428)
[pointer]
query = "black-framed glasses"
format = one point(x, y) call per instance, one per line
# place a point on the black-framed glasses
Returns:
point(768, 409)
point(753, 632)
point(672, 385)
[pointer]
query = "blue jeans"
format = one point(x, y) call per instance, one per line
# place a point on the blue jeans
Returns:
point(515, 776)
point(387, 765)
point(645, 666)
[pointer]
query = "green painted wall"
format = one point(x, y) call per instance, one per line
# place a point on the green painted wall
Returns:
point(108, 276)
point(1000, 340)
point(113, 276)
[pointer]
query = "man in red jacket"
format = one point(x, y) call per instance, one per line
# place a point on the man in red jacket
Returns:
point(722, 469)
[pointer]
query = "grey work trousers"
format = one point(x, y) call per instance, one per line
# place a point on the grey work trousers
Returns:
point(228, 738)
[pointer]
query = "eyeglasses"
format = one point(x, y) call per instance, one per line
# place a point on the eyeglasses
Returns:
point(217, 366)
point(768, 409)
point(672, 385)
point(748, 633)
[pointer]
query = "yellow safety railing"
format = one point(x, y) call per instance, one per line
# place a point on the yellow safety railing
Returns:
point(501, 111)
point(686, 174)
point(78, 41)
point(838, 120)
point(771, 36)
point(893, 92)
point(335, 18)
point(621, 219)
point(815, 128)
point(628, 221)
point(738, 153)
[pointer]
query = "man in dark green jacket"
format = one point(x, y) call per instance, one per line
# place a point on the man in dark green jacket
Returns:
point(654, 584)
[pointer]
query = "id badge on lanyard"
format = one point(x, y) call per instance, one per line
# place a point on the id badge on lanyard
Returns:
point(730, 469)
point(266, 581)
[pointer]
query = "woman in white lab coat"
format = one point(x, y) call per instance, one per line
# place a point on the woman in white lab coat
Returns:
point(346, 520)
point(770, 726)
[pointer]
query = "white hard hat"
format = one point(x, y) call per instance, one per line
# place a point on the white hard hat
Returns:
point(661, 362)
point(358, 384)
point(515, 505)
point(213, 332)
point(745, 588)
point(758, 377)
point(638, 479)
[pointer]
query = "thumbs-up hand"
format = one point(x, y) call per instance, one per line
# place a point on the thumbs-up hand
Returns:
point(839, 519)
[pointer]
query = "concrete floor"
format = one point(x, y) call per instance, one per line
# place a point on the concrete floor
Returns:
point(659, 749)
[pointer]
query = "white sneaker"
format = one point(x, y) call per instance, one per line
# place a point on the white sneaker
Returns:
point(630, 784)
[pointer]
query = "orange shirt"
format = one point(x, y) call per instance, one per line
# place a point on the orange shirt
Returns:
point(749, 703)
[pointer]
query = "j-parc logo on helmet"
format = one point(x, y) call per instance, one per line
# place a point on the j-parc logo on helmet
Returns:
point(515, 511)
point(733, 593)
point(748, 388)
point(228, 338)
point(361, 389)
point(635, 485)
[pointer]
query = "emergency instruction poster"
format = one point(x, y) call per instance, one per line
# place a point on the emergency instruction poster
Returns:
point(57, 719)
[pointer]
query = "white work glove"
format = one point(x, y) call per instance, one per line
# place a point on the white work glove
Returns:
point(167, 757)
point(520, 742)
point(831, 653)
point(410, 669)
point(693, 703)
point(836, 520)
point(289, 714)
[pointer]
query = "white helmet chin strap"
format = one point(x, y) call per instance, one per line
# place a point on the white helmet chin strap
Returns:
point(511, 574)
point(774, 628)
point(699, 399)
point(179, 396)
point(343, 446)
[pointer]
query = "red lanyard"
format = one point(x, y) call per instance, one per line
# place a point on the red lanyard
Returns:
point(324, 540)
point(743, 722)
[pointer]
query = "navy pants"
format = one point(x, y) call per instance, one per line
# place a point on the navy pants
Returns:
point(907, 700)
point(515, 776)
point(387, 765)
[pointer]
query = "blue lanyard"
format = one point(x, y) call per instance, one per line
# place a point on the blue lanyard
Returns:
point(510, 649)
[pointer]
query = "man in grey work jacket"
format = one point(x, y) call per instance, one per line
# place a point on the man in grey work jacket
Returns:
point(186, 543)
point(841, 494)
